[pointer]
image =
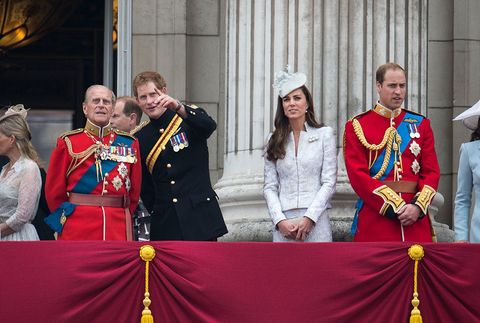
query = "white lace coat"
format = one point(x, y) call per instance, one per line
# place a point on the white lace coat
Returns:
point(304, 182)
point(19, 195)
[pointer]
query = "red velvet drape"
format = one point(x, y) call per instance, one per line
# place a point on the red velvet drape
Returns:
point(237, 282)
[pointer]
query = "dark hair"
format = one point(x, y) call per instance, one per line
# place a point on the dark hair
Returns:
point(145, 77)
point(382, 70)
point(131, 106)
point(476, 132)
point(276, 144)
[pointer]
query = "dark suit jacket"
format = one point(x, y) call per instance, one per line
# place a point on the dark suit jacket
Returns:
point(43, 230)
point(179, 187)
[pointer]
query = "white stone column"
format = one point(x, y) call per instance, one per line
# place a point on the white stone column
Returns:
point(124, 52)
point(339, 45)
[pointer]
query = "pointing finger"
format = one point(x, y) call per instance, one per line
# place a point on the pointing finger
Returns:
point(157, 91)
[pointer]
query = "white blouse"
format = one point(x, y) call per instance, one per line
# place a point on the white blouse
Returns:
point(19, 195)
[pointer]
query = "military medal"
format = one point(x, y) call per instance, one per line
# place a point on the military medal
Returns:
point(117, 183)
point(122, 170)
point(415, 167)
point(179, 142)
point(183, 136)
point(119, 154)
point(417, 134)
point(415, 148)
point(104, 153)
point(411, 130)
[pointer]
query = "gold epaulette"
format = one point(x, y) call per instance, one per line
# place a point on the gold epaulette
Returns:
point(358, 115)
point(390, 198)
point(123, 133)
point(139, 127)
point(424, 198)
point(71, 132)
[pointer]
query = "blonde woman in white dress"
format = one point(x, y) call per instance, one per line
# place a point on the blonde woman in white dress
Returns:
point(300, 166)
point(20, 180)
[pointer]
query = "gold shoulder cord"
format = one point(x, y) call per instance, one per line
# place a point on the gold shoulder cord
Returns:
point(388, 141)
point(78, 158)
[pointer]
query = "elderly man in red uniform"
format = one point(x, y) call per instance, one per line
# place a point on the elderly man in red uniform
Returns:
point(94, 179)
point(392, 165)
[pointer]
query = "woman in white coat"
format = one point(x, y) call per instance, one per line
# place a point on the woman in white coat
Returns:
point(468, 181)
point(300, 166)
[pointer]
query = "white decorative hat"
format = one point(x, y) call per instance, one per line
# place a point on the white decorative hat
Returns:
point(285, 81)
point(18, 109)
point(470, 116)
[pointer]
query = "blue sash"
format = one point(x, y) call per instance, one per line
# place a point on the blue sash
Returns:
point(85, 185)
point(404, 132)
point(88, 182)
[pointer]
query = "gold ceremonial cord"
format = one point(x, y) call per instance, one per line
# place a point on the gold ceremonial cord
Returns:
point(78, 158)
point(388, 152)
point(388, 141)
point(361, 136)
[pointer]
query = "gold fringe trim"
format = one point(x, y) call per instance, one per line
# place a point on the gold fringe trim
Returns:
point(147, 253)
point(416, 253)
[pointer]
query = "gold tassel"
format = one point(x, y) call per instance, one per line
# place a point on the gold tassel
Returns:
point(147, 253)
point(416, 253)
point(98, 169)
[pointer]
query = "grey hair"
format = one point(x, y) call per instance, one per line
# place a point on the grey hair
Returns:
point(85, 99)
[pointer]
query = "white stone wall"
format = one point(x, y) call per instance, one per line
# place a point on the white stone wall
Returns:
point(440, 94)
point(222, 55)
point(180, 39)
point(339, 45)
point(466, 71)
point(453, 84)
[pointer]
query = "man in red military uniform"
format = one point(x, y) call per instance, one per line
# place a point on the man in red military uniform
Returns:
point(392, 165)
point(94, 179)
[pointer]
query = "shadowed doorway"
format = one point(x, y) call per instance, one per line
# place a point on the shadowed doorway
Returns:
point(50, 74)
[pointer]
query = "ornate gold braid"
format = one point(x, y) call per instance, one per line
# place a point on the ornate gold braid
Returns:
point(78, 158)
point(388, 152)
point(387, 140)
point(361, 136)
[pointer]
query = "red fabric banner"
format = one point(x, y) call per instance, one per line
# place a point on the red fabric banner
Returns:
point(53, 281)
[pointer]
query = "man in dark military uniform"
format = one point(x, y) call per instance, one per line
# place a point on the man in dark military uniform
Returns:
point(176, 186)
